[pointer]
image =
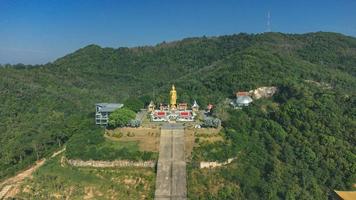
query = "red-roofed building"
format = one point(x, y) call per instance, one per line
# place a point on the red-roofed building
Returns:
point(184, 114)
point(240, 94)
point(160, 114)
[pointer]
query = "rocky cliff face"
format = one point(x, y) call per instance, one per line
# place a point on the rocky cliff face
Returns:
point(263, 92)
point(215, 164)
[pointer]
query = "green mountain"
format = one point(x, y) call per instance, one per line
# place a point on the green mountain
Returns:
point(43, 106)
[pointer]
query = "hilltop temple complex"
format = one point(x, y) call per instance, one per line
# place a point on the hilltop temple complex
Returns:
point(173, 111)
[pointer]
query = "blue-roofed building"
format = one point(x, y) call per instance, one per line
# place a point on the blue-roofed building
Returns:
point(103, 111)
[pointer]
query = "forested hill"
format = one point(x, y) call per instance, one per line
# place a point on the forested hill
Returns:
point(42, 106)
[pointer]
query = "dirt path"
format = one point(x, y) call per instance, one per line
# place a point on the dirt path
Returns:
point(10, 186)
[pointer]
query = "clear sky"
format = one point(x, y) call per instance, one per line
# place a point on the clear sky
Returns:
point(40, 31)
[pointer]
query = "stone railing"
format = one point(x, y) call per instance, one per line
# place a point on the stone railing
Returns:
point(115, 163)
point(215, 163)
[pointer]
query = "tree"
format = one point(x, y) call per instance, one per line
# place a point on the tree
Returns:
point(134, 104)
point(121, 117)
point(146, 99)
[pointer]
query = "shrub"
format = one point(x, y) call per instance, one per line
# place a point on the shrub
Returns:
point(212, 122)
point(134, 123)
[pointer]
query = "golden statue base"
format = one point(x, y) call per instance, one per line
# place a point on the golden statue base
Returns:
point(172, 107)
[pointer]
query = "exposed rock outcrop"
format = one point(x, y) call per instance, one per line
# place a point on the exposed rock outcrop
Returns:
point(215, 163)
point(263, 92)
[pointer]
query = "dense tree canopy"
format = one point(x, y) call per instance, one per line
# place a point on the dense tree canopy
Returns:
point(134, 104)
point(300, 146)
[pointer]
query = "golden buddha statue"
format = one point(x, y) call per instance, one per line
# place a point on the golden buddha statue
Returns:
point(173, 98)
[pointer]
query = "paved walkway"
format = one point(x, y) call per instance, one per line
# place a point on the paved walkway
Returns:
point(171, 168)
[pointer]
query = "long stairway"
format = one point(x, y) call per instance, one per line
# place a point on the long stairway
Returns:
point(171, 169)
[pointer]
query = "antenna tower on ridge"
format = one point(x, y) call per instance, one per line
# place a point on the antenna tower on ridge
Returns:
point(269, 21)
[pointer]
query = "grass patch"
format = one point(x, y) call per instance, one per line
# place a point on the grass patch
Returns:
point(118, 145)
point(146, 138)
point(53, 181)
point(210, 184)
point(93, 146)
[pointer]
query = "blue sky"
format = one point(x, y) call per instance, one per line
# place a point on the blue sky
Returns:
point(40, 31)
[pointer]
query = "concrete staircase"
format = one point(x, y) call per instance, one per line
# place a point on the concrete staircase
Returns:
point(171, 167)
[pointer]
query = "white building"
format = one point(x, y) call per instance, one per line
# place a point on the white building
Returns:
point(242, 99)
point(103, 111)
